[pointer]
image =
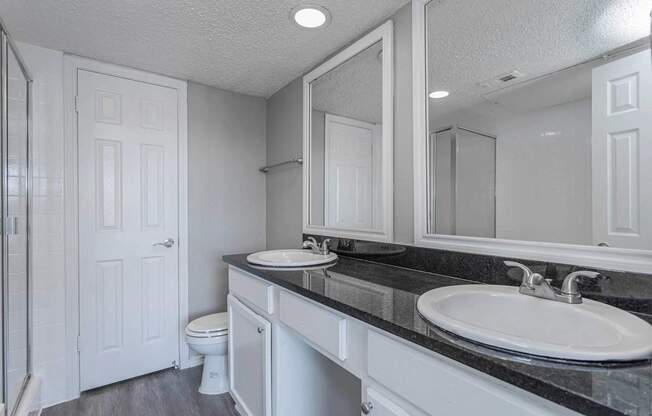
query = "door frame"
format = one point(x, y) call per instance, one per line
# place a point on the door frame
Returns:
point(71, 65)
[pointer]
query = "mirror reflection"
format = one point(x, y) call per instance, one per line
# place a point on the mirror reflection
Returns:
point(346, 144)
point(539, 121)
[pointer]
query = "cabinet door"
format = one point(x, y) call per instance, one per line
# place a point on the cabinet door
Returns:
point(376, 404)
point(250, 342)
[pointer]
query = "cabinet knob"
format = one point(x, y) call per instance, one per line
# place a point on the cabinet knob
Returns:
point(366, 407)
point(260, 330)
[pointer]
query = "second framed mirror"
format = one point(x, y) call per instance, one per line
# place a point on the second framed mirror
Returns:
point(348, 141)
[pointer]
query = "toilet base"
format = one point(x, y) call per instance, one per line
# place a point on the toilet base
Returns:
point(215, 378)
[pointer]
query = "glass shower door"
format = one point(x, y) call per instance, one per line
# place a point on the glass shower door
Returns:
point(15, 212)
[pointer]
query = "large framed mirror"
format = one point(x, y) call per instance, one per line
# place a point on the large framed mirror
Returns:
point(348, 141)
point(533, 131)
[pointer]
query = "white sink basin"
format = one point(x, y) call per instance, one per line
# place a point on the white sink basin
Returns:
point(290, 258)
point(499, 316)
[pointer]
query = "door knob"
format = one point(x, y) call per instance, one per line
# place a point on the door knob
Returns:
point(366, 407)
point(166, 243)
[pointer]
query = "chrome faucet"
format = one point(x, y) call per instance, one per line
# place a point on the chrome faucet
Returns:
point(534, 284)
point(314, 246)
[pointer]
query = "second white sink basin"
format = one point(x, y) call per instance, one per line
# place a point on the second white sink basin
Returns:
point(500, 316)
point(290, 258)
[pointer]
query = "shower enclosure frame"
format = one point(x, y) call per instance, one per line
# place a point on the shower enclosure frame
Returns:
point(431, 150)
point(6, 45)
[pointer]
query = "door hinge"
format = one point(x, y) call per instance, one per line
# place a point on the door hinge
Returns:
point(76, 103)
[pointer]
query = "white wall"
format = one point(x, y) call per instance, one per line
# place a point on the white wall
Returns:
point(49, 343)
point(543, 175)
point(226, 192)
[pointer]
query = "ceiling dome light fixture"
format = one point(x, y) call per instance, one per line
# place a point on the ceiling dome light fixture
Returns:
point(439, 94)
point(310, 16)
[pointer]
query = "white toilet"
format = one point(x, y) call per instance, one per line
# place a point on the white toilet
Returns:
point(208, 336)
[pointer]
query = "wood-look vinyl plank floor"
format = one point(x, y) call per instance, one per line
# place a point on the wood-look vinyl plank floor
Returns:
point(165, 393)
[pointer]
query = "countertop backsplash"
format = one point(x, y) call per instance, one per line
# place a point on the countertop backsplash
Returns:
point(625, 290)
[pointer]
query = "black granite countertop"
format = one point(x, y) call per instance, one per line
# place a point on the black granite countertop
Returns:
point(385, 297)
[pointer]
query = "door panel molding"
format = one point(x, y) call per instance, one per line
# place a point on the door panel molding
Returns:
point(72, 64)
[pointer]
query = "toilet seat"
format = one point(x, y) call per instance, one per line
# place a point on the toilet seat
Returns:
point(209, 326)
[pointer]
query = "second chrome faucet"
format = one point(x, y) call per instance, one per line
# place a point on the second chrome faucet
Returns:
point(534, 284)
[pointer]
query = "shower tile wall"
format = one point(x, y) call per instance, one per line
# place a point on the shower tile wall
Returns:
point(50, 350)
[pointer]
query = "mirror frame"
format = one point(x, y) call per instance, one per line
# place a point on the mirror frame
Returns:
point(385, 34)
point(591, 256)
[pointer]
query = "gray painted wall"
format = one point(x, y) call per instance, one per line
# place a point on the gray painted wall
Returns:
point(226, 195)
point(284, 141)
point(403, 156)
point(317, 167)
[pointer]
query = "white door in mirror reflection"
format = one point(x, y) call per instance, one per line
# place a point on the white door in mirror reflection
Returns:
point(622, 152)
point(352, 157)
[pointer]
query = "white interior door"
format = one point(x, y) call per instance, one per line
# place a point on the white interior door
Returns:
point(128, 197)
point(622, 151)
point(349, 172)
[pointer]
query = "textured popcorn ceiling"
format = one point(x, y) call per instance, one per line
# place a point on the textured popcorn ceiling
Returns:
point(473, 41)
point(353, 89)
point(247, 46)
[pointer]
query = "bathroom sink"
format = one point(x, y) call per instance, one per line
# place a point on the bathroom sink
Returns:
point(290, 258)
point(501, 317)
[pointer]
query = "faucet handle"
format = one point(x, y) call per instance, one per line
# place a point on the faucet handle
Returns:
point(311, 242)
point(529, 277)
point(569, 286)
point(526, 270)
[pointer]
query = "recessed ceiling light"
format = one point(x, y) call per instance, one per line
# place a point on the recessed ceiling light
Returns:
point(310, 16)
point(439, 94)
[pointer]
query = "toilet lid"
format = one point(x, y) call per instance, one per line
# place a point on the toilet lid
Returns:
point(209, 324)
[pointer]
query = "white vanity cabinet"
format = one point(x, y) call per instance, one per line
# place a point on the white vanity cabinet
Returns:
point(278, 342)
point(250, 359)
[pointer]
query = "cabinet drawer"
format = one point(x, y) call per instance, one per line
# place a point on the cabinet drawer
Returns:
point(439, 387)
point(315, 323)
point(255, 291)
